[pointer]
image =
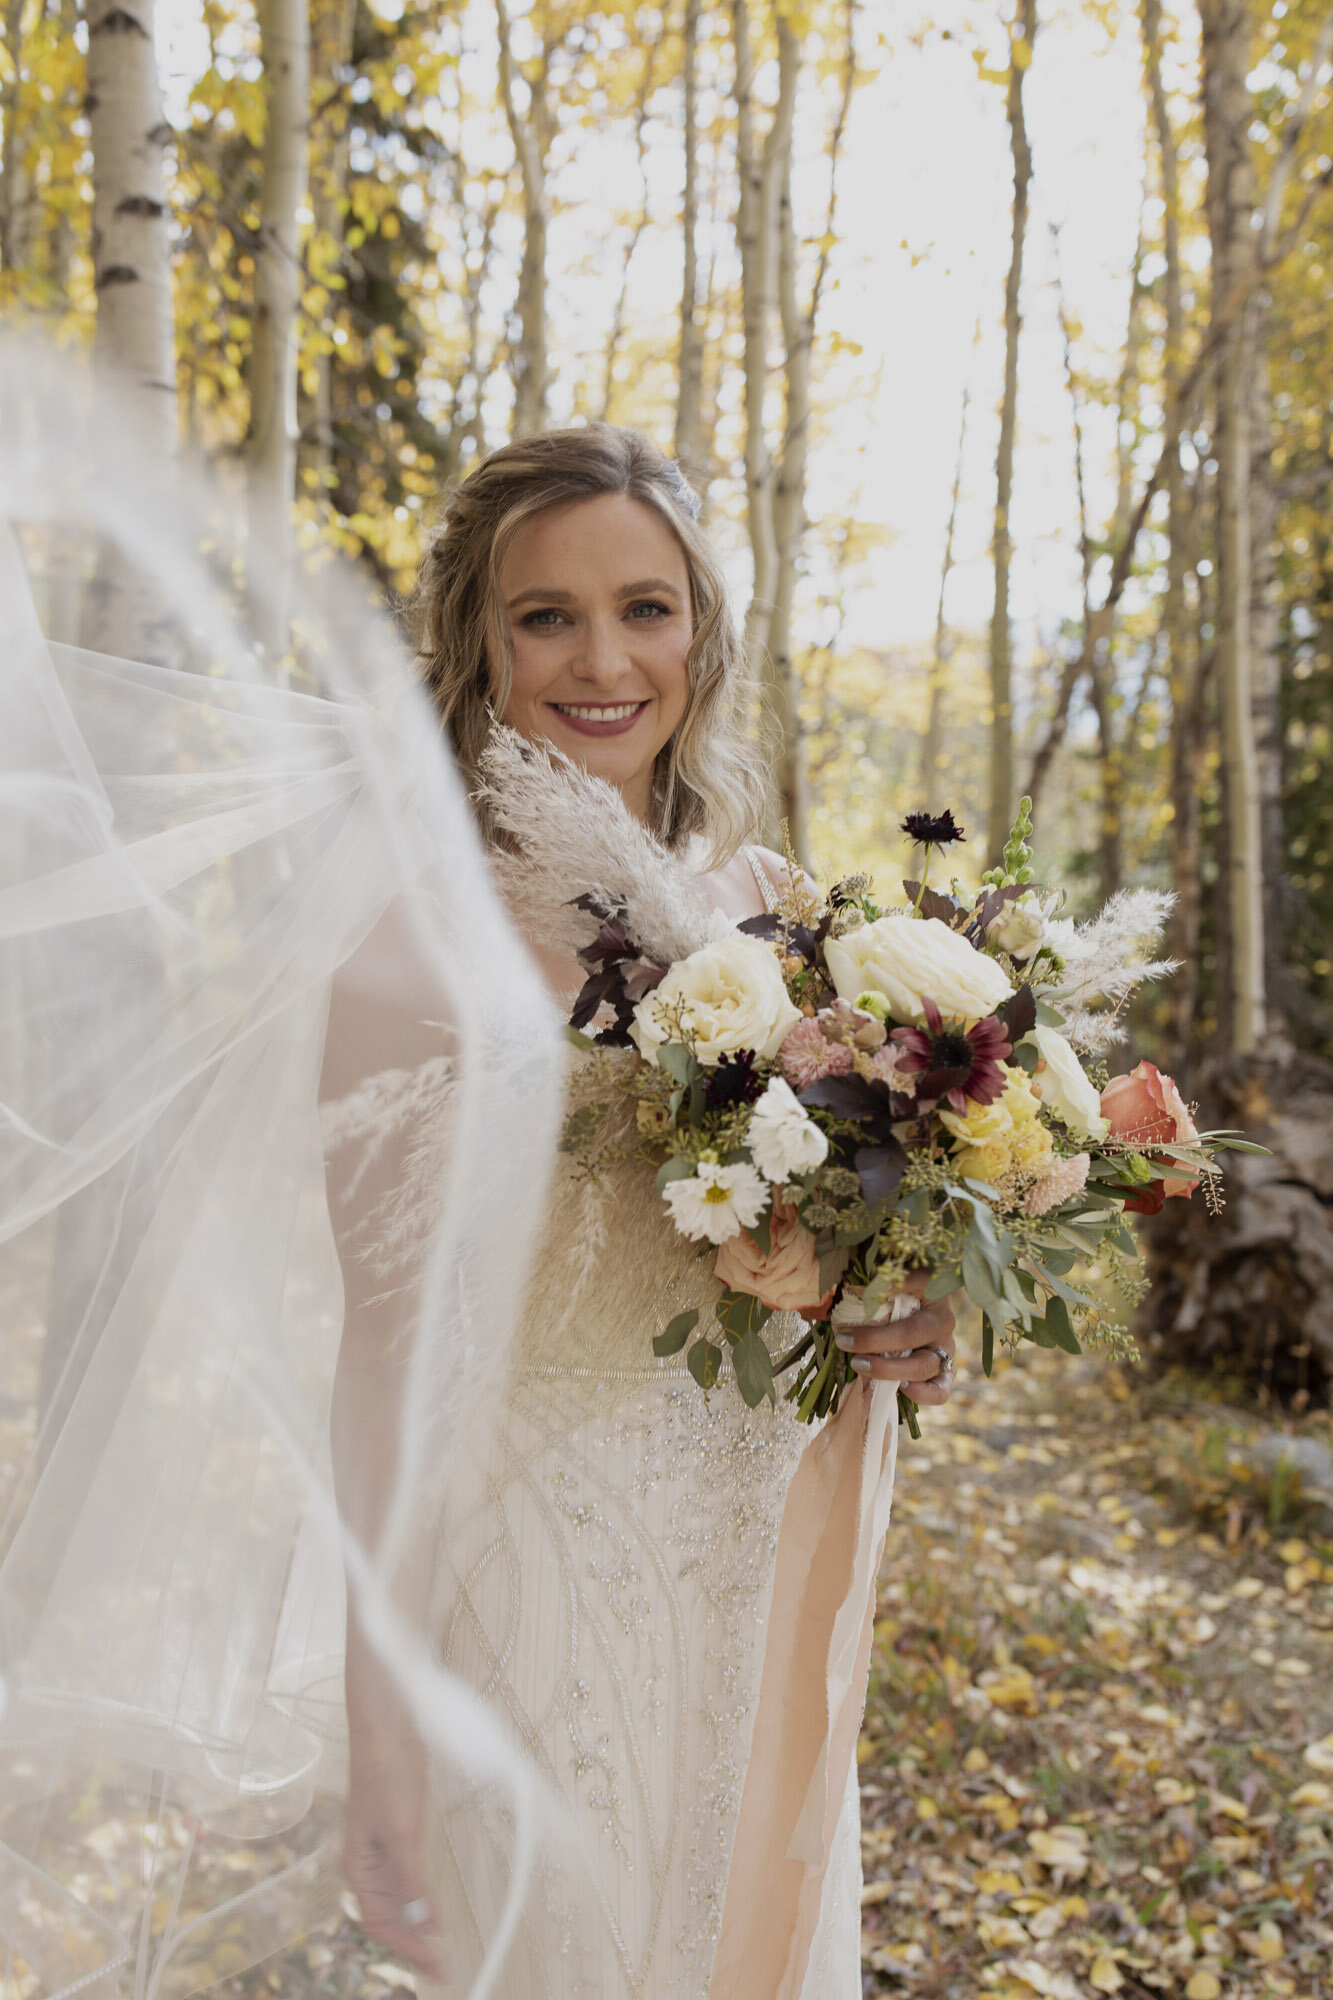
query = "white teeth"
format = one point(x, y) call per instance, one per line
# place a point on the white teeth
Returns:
point(599, 714)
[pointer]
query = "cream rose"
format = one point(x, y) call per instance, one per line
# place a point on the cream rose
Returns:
point(906, 958)
point(1064, 1086)
point(731, 996)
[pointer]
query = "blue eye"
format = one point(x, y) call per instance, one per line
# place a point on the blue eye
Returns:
point(538, 620)
point(658, 611)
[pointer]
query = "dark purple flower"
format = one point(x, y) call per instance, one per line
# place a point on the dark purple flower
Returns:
point(953, 1062)
point(733, 1079)
point(932, 829)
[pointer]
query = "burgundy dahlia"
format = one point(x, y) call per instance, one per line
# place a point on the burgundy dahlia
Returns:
point(946, 1060)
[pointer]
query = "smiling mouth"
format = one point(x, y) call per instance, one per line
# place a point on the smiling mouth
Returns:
point(587, 712)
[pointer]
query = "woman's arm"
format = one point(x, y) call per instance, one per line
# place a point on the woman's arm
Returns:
point(375, 1026)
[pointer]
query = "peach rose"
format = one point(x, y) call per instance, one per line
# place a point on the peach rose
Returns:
point(787, 1279)
point(1146, 1106)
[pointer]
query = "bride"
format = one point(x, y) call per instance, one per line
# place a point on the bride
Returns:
point(668, 1602)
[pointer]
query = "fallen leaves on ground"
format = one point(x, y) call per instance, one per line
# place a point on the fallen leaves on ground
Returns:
point(1098, 1752)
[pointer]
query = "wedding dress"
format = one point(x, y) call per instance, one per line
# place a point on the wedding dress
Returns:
point(605, 1578)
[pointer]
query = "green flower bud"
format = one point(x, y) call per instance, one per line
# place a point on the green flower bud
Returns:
point(873, 1003)
point(1137, 1167)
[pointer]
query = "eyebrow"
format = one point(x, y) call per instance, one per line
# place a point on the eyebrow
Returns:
point(639, 589)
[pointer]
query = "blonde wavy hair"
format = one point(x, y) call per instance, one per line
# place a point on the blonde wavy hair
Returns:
point(708, 778)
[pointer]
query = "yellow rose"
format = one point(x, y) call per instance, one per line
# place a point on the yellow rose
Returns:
point(1030, 1148)
point(1021, 1099)
point(982, 1163)
point(980, 1123)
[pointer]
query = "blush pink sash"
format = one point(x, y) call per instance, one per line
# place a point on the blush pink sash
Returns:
point(811, 1696)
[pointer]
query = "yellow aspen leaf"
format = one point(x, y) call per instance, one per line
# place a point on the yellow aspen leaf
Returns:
point(875, 1892)
point(1203, 1986)
point(1105, 1974)
point(926, 1808)
point(976, 1759)
point(1312, 1794)
point(1319, 1754)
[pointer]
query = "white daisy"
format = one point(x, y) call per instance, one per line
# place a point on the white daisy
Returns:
point(782, 1135)
point(716, 1202)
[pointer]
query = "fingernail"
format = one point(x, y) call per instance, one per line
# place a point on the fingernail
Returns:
point(862, 1364)
point(845, 1341)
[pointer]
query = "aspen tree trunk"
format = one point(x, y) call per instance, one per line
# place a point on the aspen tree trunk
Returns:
point(617, 332)
point(274, 431)
point(13, 191)
point(756, 234)
point(1110, 753)
point(1266, 692)
point(133, 337)
point(1231, 200)
point(131, 248)
point(932, 748)
point(788, 491)
point(689, 405)
point(331, 34)
point(1187, 736)
point(531, 136)
point(1001, 791)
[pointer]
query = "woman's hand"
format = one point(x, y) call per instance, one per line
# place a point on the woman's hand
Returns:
point(904, 1350)
point(386, 1810)
point(382, 1863)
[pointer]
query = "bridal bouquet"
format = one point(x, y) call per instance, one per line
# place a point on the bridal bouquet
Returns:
point(835, 1095)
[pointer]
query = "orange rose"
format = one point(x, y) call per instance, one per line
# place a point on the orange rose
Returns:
point(1146, 1106)
point(787, 1279)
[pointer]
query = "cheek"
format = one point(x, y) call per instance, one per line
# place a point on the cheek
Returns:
point(671, 678)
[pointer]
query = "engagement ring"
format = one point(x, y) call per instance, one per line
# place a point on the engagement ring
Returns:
point(947, 1363)
point(416, 1912)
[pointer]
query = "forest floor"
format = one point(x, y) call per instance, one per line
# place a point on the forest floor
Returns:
point(1098, 1752)
point(1097, 1755)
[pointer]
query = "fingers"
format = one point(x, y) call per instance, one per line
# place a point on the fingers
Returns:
point(931, 1325)
point(389, 1896)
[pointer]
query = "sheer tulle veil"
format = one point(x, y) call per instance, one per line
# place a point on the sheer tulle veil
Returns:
point(232, 901)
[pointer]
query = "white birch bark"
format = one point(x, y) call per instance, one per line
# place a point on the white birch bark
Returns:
point(690, 394)
point(130, 243)
point(531, 133)
point(274, 430)
point(1001, 786)
point(1231, 201)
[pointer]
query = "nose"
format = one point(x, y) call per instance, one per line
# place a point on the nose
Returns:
point(603, 658)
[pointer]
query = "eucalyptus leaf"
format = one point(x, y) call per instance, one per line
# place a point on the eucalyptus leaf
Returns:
point(762, 1232)
point(1060, 1327)
point(677, 1169)
point(704, 1362)
point(676, 1332)
point(942, 1282)
point(754, 1369)
point(739, 1313)
point(676, 1060)
point(582, 1041)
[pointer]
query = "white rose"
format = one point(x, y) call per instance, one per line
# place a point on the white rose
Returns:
point(1065, 1087)
point(1019, 928)
point(906, 958)
point(783, 1138)
point(731, 995)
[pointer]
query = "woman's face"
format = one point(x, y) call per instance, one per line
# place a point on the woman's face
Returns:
point(597, 594)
